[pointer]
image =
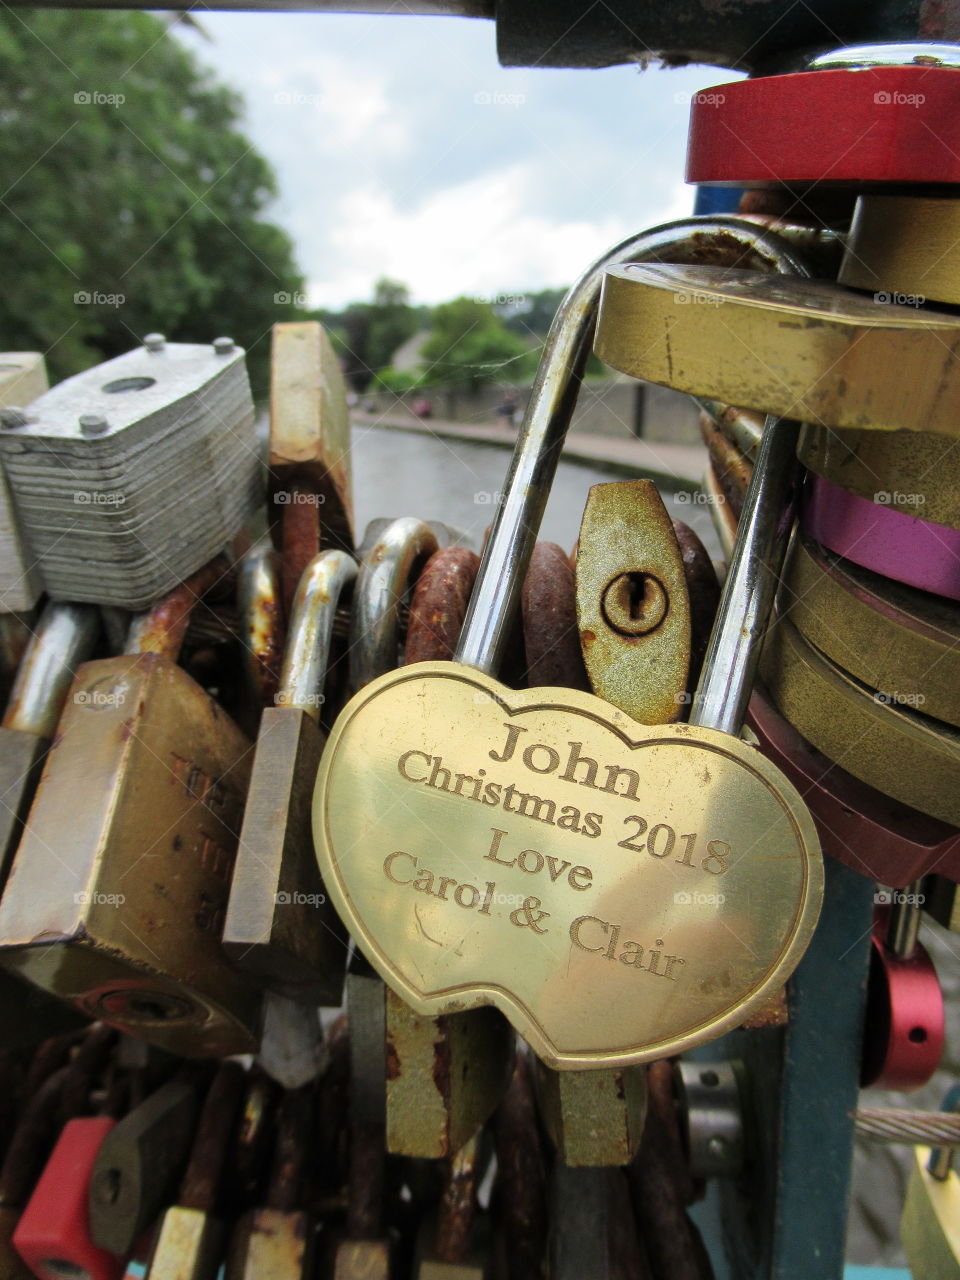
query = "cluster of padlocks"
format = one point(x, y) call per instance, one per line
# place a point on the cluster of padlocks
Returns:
point(365, 898)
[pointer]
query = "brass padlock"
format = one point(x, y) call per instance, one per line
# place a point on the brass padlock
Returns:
point(473, 792)
point(430, 1081)
point(64, 636)
point(309, 462)
point(279, 927)
point(191, 1239)
point(120, 909)
point(930, 1225)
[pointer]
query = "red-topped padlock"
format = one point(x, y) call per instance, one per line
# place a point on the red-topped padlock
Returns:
point(882, 113)
point(53, 1234)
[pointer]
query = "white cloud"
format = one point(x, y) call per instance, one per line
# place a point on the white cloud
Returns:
point(476, 238)
point(405, 150)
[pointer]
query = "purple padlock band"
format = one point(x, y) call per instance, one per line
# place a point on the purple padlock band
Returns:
point(884, 538)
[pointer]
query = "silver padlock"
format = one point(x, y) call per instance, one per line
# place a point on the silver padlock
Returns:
point(128, 477)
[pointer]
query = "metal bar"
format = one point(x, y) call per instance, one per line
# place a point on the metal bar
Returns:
point(550, 409)
point(751, 583)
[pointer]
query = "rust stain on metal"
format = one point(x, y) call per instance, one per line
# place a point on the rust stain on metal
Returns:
point(392, 1059)
point(551, 635)
point(458, 1205)
point(774, 1013)
point(300, 538)
point(163, 629)
point(442, 1066)
point(439, 605)
point(704, 593)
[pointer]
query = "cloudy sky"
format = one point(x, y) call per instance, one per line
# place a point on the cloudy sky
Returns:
point(402, 148)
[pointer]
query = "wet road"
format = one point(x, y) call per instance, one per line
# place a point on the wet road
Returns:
point(397, 473)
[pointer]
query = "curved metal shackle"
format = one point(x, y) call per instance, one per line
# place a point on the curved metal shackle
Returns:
point(163, 627)
point(383, 580)
point(65, 636)
point(307, 654)
point(260, 608)
point(763, 532)
point(550, 408)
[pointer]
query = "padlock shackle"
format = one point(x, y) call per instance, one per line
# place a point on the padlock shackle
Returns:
point(307, 653)
point(65, 636)
point(260, 609)
point(163, 627)
point(388, 569)
point(550, 408)
point(763, 532)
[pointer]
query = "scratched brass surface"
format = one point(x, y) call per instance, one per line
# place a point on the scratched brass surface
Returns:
point(904, 246)
point(895, 639)
point(633, 607)
point(644, 902)
point(911, 471)
point(797, 348)
point(887, 743)
point(116, 897)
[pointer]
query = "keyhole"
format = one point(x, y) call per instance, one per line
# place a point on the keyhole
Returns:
point(634, 604)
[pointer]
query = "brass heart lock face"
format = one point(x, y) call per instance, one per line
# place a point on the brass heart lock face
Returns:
point(620, 891)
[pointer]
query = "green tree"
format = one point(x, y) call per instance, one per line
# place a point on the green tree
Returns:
point(367, 334)
point(131, 201)
point(469, 346)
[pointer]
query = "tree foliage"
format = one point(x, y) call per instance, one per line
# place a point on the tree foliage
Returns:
point(469, 346)
point(366, 335)
point(131, 199)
